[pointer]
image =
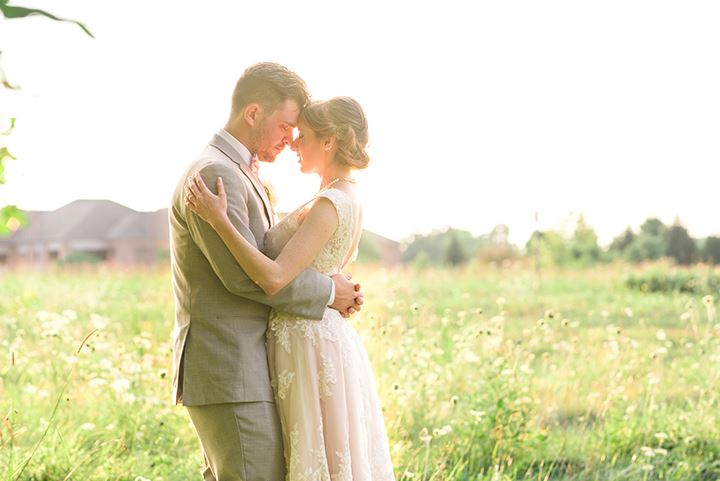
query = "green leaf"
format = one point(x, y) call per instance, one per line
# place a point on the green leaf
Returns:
point(10, 129)
point(4, 154)
point(4, 80)
point(21, 12)
point(11, 219)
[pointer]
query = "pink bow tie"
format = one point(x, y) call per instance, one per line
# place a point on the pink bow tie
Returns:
point(255, 165)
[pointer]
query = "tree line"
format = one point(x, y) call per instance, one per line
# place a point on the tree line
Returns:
point(653, 240)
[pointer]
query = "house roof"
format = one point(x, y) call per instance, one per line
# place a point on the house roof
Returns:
point(377, 238)
point(90, 220)
point(141, 225)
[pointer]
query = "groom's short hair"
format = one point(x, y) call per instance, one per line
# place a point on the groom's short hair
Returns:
point(270, 85)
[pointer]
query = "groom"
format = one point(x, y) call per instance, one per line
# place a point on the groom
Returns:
point(220, 367)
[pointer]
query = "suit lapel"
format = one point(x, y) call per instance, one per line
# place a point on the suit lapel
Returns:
point(224, 147)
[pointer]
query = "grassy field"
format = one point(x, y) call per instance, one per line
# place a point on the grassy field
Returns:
point(484, 374)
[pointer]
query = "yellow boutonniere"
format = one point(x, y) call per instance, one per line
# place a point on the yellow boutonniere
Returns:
point(270, 192)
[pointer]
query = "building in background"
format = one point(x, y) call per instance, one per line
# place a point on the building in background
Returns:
point(89, 230)
point(105, 231)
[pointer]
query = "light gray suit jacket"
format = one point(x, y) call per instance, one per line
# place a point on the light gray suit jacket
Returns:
point(221, 315)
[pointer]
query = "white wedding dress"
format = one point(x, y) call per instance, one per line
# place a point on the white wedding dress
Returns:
point(332, 424)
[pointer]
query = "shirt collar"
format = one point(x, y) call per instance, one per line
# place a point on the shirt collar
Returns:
point(245, 154)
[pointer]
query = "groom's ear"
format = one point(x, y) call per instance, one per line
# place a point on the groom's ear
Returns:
point(251, 113)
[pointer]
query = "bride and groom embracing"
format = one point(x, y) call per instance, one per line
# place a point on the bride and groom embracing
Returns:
point(275, 379)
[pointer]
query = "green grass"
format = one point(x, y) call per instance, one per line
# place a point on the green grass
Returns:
point(484, 374)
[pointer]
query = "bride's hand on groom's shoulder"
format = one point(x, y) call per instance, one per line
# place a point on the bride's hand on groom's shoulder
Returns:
point(201, 200)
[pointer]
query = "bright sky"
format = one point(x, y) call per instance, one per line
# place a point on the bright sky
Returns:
point(480, 113)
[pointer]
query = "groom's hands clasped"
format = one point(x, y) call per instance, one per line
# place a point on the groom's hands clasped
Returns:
point(348, 296)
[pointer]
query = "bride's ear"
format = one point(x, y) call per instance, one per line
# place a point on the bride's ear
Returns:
point(329, 143)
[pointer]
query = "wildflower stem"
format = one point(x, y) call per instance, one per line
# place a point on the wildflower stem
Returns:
point(427, 459)
point(52, 415)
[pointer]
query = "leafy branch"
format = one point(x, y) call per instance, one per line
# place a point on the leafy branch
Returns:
point(10, 11)
point(12, 218)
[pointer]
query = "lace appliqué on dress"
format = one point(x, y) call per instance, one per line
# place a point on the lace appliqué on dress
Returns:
point(284, 381)
point(327, 377)
point(320, 371)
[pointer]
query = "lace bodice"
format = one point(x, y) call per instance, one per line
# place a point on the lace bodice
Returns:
point(332, 256)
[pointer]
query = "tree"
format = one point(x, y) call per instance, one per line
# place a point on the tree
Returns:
point(11, 218)
point(645, 247)
point(711, 250)
point(499, 248)
point(367, 249)
point(583, 245)
point(680, 246)
point(434, 245)
point(621, 242)
point(430, 246)
point(554, 248)
point(649, 244)
point(654, 227)
point(551, 247)
point(454, 253)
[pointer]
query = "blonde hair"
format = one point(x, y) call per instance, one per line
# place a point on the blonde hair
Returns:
point(343, 118)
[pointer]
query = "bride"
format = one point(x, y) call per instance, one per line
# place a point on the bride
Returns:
point(324, 389)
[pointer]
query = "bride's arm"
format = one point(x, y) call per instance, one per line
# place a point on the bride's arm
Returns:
point(271, 275)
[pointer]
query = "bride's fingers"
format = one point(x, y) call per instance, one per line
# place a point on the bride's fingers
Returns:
point(202, 186)
point(198, 183)
point(220, 187)
point(193, 189)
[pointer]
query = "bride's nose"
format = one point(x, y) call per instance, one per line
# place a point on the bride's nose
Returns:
point(294, 145)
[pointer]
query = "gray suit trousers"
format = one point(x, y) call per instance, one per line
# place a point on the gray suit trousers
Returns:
point(240, 441)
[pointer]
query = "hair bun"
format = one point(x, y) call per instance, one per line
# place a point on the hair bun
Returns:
point(344, 118)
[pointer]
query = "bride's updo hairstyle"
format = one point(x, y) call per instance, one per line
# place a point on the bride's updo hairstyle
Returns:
point(344, 118)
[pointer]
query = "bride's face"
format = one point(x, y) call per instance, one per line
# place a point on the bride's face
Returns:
point(310, 150)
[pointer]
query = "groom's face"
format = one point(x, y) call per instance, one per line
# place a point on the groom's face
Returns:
point(275, 130)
